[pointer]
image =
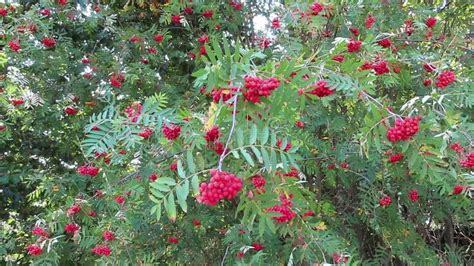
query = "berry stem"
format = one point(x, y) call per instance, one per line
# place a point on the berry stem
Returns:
point(234, 113)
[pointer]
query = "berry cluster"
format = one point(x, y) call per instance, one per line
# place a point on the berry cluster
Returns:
point(101, 250)
point(108, 235)
point(212, 138)
point(16, 102)
point(413, 195)
point(222, 185)
point(458, 189)
point(257, 246)
point(404, 129)
point(48, 42)
point(338, 58)
point(456, 147)
point(259, 182)
point(316, 8)
point(369, 21)
point(70, 110)
point(385, 201)
point(286, 148)
point(74, 209)
point(385, 43)
point(353, 46)
point(171, 131)
point(394, 158)
point(286, 213)
point(88, 170)
point(116, 80)
point(71, 228)
point(39, 231)
point(223, 94)
point(173, 240)
point(445, 78)
point(468, 162)
point(34, 250)
point(429, 67)
point(430, 22)
point(321, 89)
point(380, 67)
point(14, 45)
point(133, 111)
point(257, 87)
point(146, 133)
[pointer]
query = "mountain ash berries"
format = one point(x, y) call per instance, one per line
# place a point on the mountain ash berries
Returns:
point(34, 250)
point(284, 209)
point(394, 158)
point(413, 195)
point(445, 78)
point(256, 87)
point(353, 46)
point(468, 162)
point(321, 89)
point(171, 131)
point(404, 129)
point(222, 185)
point(101, 250)
point(88, 170)
point(385, 201)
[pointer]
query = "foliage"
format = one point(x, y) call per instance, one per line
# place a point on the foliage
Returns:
point(130, 111)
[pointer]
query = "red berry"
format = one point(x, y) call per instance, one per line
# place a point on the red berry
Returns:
point(173, 240)
point(413, 195)
point(339, 58)
point(385, 43)
point(108, 235)
point(74, 209)
point(101, 250)
point(458, 189)
point(69, 110)
point(369, 21)
point(257, 246)
point(445, 78)
point(171, 131)
point(354, 46)
point(316, 8)
point(146, 133)
point(48, 42)
point(430, 22)
point(34, 250)
point(71, 228)
point(396, 158)
point(385, 201)
point(38, 231)
point(119, 199)
point(321, 89)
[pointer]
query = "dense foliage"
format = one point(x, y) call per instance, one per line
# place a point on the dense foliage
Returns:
point(226, 132)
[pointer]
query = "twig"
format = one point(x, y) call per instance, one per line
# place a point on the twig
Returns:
point(234, 113)
point(225, 255)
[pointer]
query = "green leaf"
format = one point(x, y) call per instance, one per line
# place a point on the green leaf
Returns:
point(266, 159)
point(253, 134)
point(264, 135)
point(247, 156)
point(181, 172)
point(165, 181)
point(170, 206)
point(240, 137)
point(160, 187)
point(182, 193)
point(195, 184)
point(190, 161)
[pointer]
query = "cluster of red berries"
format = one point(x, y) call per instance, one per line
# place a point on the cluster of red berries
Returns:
point(48, 42)
point(316, 8)
point(34, 250)
point(321, 89)
point(468, 162)
point(259, 182)
point(133, 111)
point(394, 158)
point(88, 170)
point(308, 214)
point(70, 110)
point(236, 5)
point(458, 189)
point(413, 195)
point(276, 23)
point(14, 45)
point(171, 131)
point(16, 102)
point(380, 67)
point(339, 58)
point(353, 46)
point(456, 147)
point(445, 78)
point(404, 129)
point(257, 87)
point(173, 240)
point(116, 80)
point(71, 228)
point(212, 138)
point(101, 250)
point(286, 213)
point(429, 67)
point(74, 209)
point(369, 21)
point(223, 94)
point(430, 22)
point(385, 201)
point(222, 185)
point(146, 133)
point(286, 148)
point(385, 43)
point(39, 231)
point(108, 235)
